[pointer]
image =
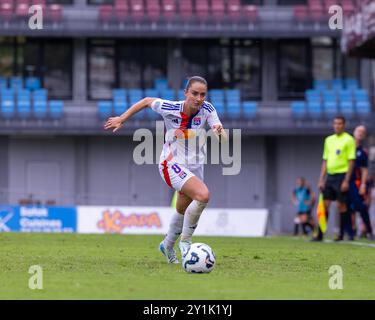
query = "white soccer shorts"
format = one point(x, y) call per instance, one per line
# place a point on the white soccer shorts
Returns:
point(175, 175)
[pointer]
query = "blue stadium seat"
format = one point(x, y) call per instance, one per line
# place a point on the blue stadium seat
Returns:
point(320, 84)
point(233, 95)
point(181, 95)
point(351, 84)
point(32, 83)
point(56, 109)
point(220, 108)
point(151, 114)
point(135, 95)
point(347, 108)
point(313, 95)
point(298, 109)
point(361, 95)
point(40, 108)
point(40, 94)
point(7, 107)
point(152, 93)
point(24, 108)
point(345, 95)
point(329, 95)
point(3, 83)
point(337, 84)
point(119, 94)
point(234, 109)
point(119, 107)
point(104, 109)
point(161, 83)
point(16, 83)
point(363, 108)
point(250, 109)
point(168, 94)
point(9, 93)
point(314, 109)
point(330, 108)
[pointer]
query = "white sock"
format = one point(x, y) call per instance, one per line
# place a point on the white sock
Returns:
point(174, 231)
point(191, 218)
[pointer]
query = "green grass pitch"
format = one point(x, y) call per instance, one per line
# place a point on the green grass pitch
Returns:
point(130, 267)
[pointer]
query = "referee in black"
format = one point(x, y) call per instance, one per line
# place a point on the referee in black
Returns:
point(336, 170)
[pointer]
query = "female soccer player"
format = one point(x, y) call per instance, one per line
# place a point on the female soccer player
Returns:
point(181, 165)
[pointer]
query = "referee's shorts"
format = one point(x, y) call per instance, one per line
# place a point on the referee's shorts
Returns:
point(332, 189)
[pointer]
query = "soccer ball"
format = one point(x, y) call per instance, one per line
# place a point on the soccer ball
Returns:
point(199, 259)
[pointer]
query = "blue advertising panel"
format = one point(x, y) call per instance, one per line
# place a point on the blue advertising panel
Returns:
point(38, 219)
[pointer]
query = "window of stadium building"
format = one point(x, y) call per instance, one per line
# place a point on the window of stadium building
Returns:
point(52, 61)
point(225, 63)
point(294, 68)
point(7, 57)
point(141, 62)
point(101, 73)
point(329, 62)
point(291, 2)
point(60, 1)
point(125, 64)
point(257, 2)
point(100, 1)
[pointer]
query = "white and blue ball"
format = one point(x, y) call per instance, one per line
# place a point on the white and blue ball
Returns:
point(199, 259)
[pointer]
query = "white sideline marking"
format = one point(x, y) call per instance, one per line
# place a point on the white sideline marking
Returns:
point(361, 244)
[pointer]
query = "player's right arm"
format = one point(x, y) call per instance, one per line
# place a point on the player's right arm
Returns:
point(116, 123)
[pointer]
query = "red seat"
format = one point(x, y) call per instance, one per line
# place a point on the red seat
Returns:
point(316, 11)
point(27, 2)
point(6, 11)
point(202, 10)
point(169, 9)
point(300, 12)
point(348, 7)
point(186, 10)
point(105, 13)
point(22, 10)
point(251, 12)
point(234, 12)
point(218, 10)
point(137, 10)
point(56, 12)
point(153, 10)
point(122, 12)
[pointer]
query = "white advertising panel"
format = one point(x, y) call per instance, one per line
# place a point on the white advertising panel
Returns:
point(155, 220)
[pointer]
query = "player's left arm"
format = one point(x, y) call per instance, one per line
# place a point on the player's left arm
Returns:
point(216, 126)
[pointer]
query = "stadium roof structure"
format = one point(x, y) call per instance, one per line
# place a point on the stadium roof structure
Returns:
point(358, 38)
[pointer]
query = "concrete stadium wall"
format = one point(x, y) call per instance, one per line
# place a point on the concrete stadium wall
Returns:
point(101, 171)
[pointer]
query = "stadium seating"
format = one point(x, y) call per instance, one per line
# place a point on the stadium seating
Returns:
point(56, 109)
point(169, 10)
point(298, 109)
point(250, 109)
point(334, 97)
point(104, 109)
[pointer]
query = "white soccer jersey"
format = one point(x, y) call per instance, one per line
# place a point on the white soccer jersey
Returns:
point(185, 141)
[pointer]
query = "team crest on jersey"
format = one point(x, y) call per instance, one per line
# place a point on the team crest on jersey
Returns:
point(197, 121)
point(338, 151)
point(175, 121)
point(182, 174)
